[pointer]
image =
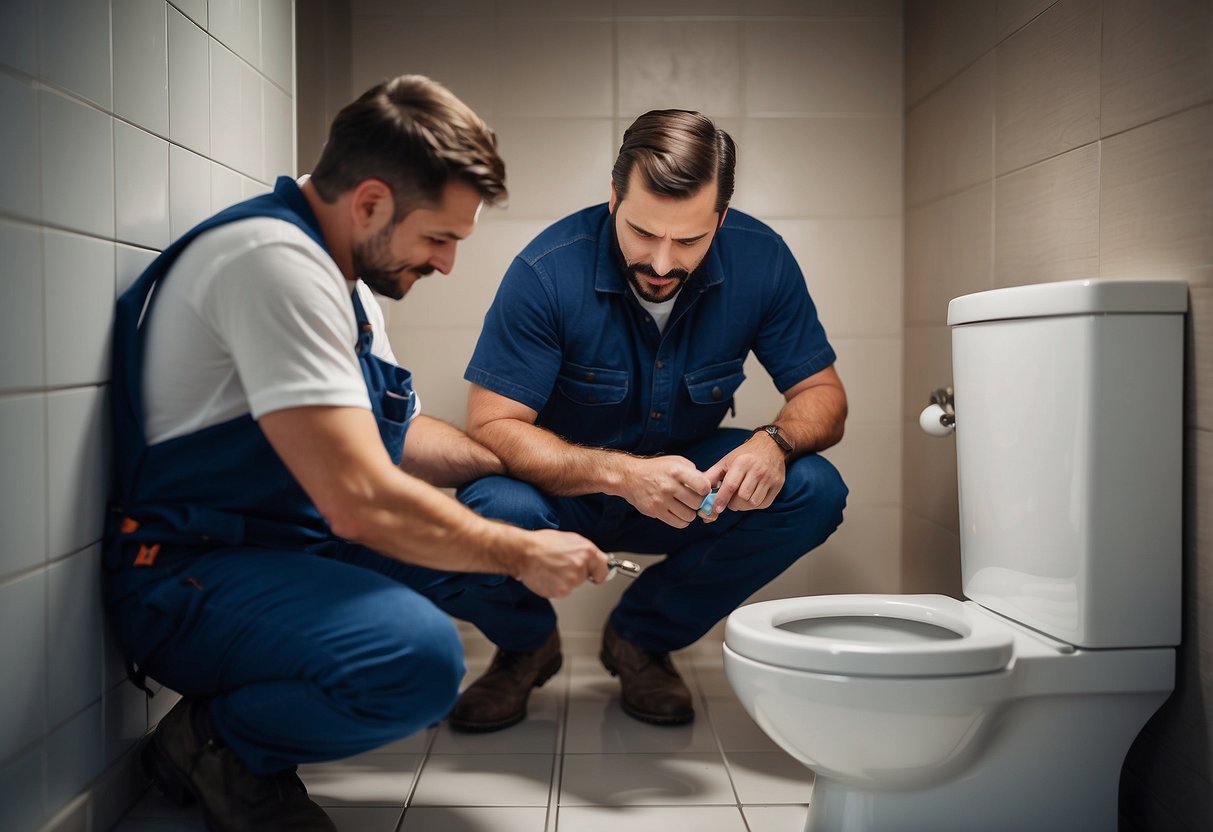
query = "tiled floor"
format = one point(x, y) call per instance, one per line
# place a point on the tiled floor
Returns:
point(577, 764)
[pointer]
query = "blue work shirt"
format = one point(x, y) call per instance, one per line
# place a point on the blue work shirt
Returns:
point(567, 337)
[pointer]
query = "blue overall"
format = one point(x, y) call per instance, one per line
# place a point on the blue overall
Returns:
point(223, 580)
point(566, 337)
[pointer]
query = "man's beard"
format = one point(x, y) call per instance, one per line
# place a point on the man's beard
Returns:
point(371, 260)
point(632, 272)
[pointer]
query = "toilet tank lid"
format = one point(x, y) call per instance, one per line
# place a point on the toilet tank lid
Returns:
point(1071, 297)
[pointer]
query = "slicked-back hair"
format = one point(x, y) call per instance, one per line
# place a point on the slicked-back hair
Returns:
point(413, 134)
point(677, 152)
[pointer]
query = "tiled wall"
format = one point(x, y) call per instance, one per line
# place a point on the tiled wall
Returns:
point(124, 122)
point(811, 91)
point(1051, 141)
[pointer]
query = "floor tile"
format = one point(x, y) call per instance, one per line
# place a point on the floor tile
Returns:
point(650, 818)
point(734, 728)
point(416, 744)
point(599, 726)
point(536, 734)
point(485, 780)
point(644, 780)
point(769, 777)
point(475, 819)
point(365, 819)
point(776, 818)
point(365, 780)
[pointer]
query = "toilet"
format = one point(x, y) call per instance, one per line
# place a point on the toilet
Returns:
point(1013, 709)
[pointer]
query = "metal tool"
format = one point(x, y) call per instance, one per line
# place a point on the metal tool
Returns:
point(624, 567)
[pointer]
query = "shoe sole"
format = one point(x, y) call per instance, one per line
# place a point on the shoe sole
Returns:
point(171, 782)
point(549, 670)
point(650, 719)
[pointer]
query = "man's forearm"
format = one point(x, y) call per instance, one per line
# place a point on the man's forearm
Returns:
point(814, 418)
point(542, 458)
point(445, 456)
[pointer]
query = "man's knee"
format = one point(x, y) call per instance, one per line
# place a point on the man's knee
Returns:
point(814, 488)
point(510, 500)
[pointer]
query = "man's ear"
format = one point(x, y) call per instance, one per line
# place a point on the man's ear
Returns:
point(371, 204)
point(723, 214)
point(614, 199)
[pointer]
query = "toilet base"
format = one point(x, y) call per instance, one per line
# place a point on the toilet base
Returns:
point(1051, 765)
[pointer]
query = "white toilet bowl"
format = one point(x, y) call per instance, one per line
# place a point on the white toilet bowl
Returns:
point(921, 712)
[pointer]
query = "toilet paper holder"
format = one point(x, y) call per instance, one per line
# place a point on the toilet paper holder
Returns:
point(939, 417)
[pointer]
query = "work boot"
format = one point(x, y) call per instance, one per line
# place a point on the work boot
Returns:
point(498, 698)
point(233, 799)
point(653, 692)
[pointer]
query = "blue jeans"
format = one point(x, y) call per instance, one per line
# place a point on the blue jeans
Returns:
point(709, 568)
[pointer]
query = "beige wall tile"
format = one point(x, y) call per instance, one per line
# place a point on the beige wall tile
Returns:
point(853, 269)
point(1010, 15)
point(679, 64)
point(681, 8)
point(818, 168)
point(390, 45)
point(871, 370)
point(949, 252)
point(1046, 220)
point(757, 402)
point(554, 8)
point(823, 67)
point(928, 366)
point(554, 68)
point(950, 136)
point(1157, 59)
point(437, 359)
point(1047, 86)
point(555, 166)
point(869, 459)
point(822, 8)
point(1198, 383)
point(862, 556)
point(942, 38)
point(929, 477)
point(930, 557)
point(1156, 198)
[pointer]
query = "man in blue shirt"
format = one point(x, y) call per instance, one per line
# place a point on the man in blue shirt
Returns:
point(611, 353)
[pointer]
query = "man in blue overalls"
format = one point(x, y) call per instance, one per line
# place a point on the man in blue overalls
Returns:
point(612, 351)
point(269, 556)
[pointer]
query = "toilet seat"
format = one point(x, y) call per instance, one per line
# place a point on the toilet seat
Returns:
point(872, 635)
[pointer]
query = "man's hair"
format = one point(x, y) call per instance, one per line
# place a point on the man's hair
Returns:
point(677, 152)
point(413, 134)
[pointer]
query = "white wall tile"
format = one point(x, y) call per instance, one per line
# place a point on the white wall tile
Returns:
point(820, 167)
point(20, 190)
point(227, 187)
point(279, 132)
point(189, 190)
point(949, 137)
point(437, 359)
point(24, 659)
point(75, 754)
point(77, 165)
point(189, 83)
point(1046, 224)
point(79, 275)
point(23, 790)
point(1047, 86)
point(853, 269)
point(75, 675)
point(23, 486)
point(554, 68)
point(125, 719)
point(141, 209)
point(1156, 198)
point(78, 468)
point(194, 9)
point(1156, 60)
point(237, 136)
point(807, 68)
point(683, 64)
point(141, 63)
point(21, 351)
point(129, 264)
point(74, 47)
point(949, 252)
point(250, 188)
point(278, 42)
point(556, 166)
point(237, 25)
point(19, 37)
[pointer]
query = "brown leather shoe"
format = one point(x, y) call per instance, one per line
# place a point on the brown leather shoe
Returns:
point(653, 692)
point(498, 698)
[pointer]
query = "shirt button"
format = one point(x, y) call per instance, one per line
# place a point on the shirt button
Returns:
point(655, 415)
point(660, 364)
point(590, 376)
point(716, 394)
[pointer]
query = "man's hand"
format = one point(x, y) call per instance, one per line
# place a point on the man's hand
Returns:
point(750, 477)
point(666, 488)
point(558, 562)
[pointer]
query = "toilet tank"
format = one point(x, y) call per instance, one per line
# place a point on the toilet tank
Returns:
point(1069, 432)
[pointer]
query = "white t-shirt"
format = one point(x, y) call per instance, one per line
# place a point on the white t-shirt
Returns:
point(658, 310)
point(253, 317)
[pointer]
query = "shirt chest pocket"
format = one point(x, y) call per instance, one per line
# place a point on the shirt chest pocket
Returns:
point(589, 405)
point(708, 396)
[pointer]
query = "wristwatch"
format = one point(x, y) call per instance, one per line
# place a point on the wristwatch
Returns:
point(777, 436)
